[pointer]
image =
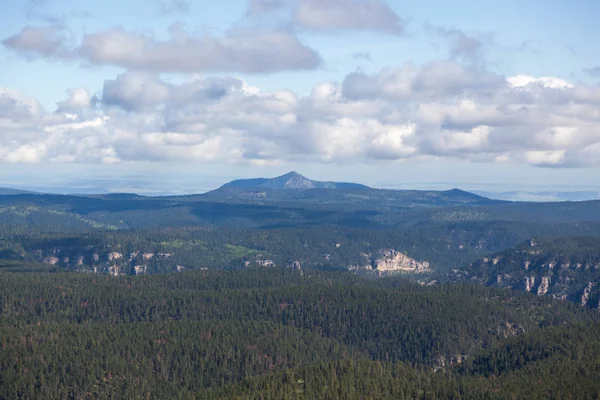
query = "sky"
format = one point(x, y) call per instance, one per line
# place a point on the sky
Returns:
point(180, 96)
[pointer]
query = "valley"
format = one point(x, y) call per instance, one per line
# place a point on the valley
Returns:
point(291, 288)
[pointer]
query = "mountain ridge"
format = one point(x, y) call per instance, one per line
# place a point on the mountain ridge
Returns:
point(291, 180)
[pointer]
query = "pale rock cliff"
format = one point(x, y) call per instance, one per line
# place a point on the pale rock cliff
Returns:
point(585, 297)
point(393, 260)
point(544, 286)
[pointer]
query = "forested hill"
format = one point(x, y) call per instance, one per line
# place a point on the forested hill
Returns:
point(564, 268)
point(278, 333)
point(291, 180)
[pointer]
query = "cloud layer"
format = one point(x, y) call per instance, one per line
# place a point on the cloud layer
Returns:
point(438, 110)
point(331, 15)
point(241, 50)
point(453, 108)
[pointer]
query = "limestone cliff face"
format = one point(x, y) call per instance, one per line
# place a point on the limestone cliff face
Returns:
point(388, 261)
point(585, 297)
point(544, 286)
point(102, 259)
point(113, 256)
point(563, 268)
point(51, 260)
point(393, 260)
point(529, 283)
point(140, 269)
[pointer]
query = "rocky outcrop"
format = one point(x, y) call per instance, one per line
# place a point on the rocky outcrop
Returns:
point(529, 283)
point(114, 270)
point(507, 329)
point(140, 269)
point(296, 266)
point(544, 286)
point(393, 260)
point(265, 263)
point(52, 260)
point(441, 362)
point(390, 261)
point(114, 256)
point(585, 297)
point(563, 268)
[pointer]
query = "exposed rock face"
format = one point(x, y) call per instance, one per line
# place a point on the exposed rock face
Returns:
point(544, 286)
point(51, 260)
point(441, 363)
point(296, 266)
point(114, 270)
point(585, 297)
point(147, 256)
point(393, 260)
point(140, 269)
point(114, 256)
point(390, 261)
point(265, 263)
point(529, 283)
point(564, 268)
point(179, 268)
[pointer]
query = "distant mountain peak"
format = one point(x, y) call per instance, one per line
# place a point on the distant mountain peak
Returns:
point(290, 180)
point(292, 174)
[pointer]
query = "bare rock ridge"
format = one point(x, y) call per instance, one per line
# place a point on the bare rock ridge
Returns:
point(291, 180)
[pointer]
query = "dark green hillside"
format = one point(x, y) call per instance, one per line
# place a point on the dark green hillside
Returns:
point(221, 334)
point(556, 364)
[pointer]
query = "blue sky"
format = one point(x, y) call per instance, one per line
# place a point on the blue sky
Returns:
point(398, 93)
